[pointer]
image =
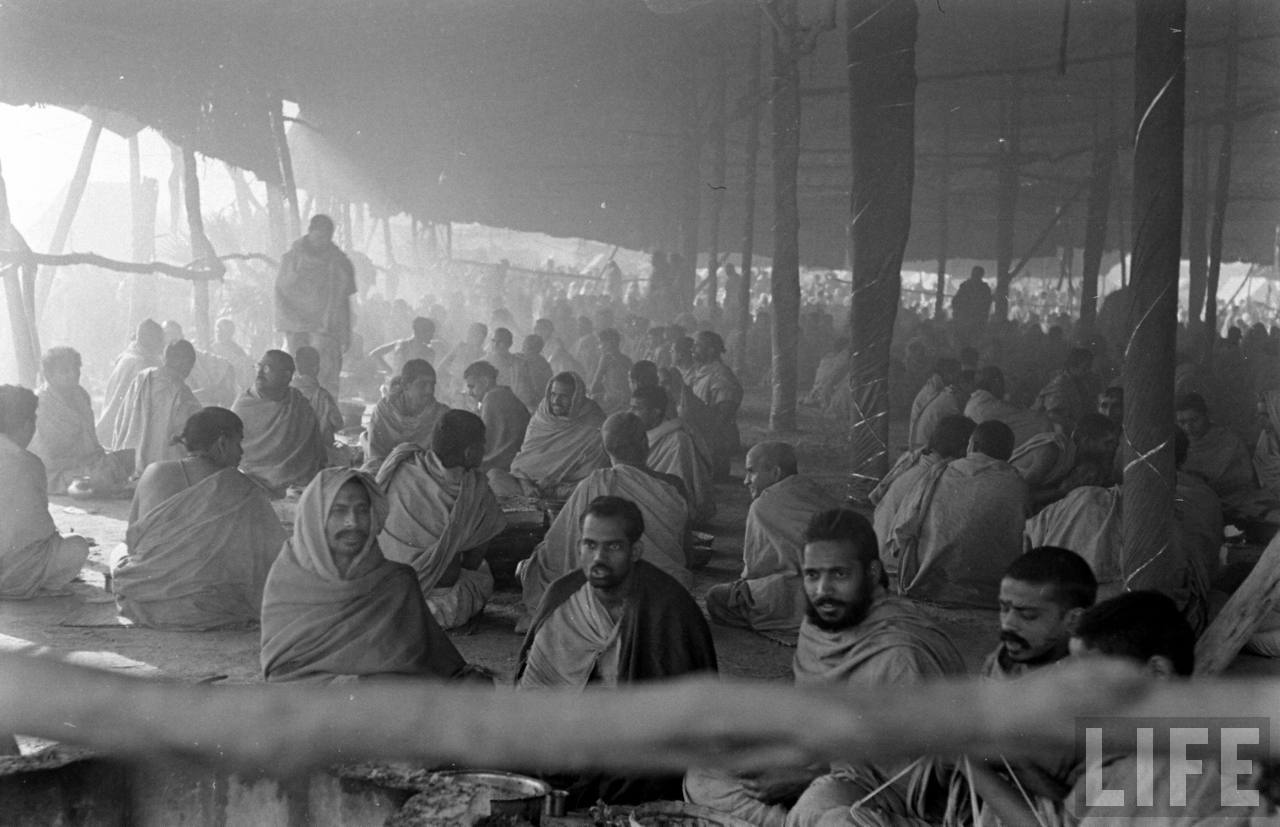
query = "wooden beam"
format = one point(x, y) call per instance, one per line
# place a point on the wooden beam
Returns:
point(1222, 195)
point(25, 349)
point(1257, 597)
point(752, 125)
point(75, 194)
point(201, 248)
point(284, 159)
point(202, 270)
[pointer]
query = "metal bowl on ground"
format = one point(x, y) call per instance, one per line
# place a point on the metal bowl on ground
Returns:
point(509, 794)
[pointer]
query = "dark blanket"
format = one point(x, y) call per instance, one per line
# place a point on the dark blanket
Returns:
point(663, 635)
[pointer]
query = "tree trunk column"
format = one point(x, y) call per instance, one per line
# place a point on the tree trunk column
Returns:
point(1095, 231)
point(785, 281)
point(882, 86)
point(1149, 476)
point(749, 206)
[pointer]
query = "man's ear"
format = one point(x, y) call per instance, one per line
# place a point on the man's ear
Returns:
point(1071, 620)
point(637, 550)
point(875, 570)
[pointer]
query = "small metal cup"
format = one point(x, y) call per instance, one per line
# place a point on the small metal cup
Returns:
point(555, 803)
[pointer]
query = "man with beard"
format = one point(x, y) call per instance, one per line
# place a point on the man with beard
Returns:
point(614, 620)
point(856, 635)
point(282, 444)
point(561, 446)
point(313, 298)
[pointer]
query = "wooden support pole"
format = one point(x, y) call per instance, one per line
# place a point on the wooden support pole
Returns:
point(881, 55)
point(752, 126)
point(1095, 230)
point(685, 276)
point(280, 240)
point(284, 159)
point(944, 216)
point(1007, 183)
point(75, 194)
point(1198, 230)
point(785, 283)
point(201, 249)
point(144, 197)
point(1222, 193)
point(1148, 552)
point(175, 188)
point(25, 351)
point(720, 92)
point(1249, 605)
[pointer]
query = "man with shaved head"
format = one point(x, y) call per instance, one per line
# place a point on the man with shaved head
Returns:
point(144, 351)
point(961, 524)
point(442, 516)
point(660, 497)
point(156, 408)
point(282, 445)
point(769, 594)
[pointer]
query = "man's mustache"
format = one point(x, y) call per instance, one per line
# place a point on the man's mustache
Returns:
point(1013, 637)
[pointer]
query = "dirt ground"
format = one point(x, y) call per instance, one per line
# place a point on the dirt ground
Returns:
point(82, 625)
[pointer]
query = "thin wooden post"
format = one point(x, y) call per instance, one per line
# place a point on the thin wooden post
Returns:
point(276, 219)
point(785, 282)
point(24, 348)
point(448, 240)
point(175, 188)
point(1095, 230)
point(944, 216)
point(718, 163)
point(144, 197)
point(75, 194)
point(1148, 552)
point(881, 55)
point(1007, 205)
point(1197, 231)
point(752, 126)
point(1222, 195)
point(200, 246)
point(284, 159)
point(685, 278)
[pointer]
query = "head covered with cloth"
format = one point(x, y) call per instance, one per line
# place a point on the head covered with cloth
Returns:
point(334, 606)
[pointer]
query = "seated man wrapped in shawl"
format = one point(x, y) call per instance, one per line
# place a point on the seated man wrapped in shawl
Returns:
point(769, 594)
point(833, 371)
point(1070, 393)
point(322, 403)
point(1220, 458)
point(408, 413)
point(716, 385)
point(442, 517)
point(961, 525)
point(946, 373)
point(1146, 629)
point(202, 536)
point(505, 418)
point(65, 438)
point(334, 608)
point(614, 619)
point(145, 351)
point(212, 379)
point(987, 402)
point(282, 444)
point(1053, 464)
point(683, 403)
point(561, 445)
point(949, 402)
point(33, 556)
point(855, 635)
point(950, 441)
point(157, 407)
point(675, 450)
point(660, 497)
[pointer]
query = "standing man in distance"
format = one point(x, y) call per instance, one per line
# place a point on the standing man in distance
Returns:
point(313, 298)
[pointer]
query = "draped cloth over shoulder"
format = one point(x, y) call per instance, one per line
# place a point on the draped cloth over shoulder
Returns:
point(282, 444)
point(666, 519)
point(155, 410)
point(562, 450)
point(128, 365)
point(769, 593)
point(33, 556)
point(318, 624)
point(673, 449)
point(67, 443)
point(199, 560)
point(391, 424)
point(435, 514)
